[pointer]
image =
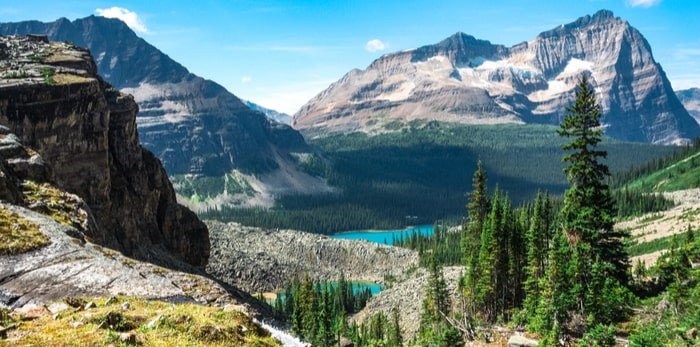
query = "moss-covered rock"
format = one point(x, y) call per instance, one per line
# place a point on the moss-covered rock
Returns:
point(18, 235)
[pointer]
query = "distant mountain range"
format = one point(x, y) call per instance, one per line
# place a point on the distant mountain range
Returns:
point(272, 114)
point(466, 80)
point(195, 126)
point(691, 101)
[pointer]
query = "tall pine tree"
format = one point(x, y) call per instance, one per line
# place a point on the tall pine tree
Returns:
point(587, 215)
point(477, 210)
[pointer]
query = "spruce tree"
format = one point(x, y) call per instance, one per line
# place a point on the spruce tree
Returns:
point(477, 209)
point(587, 215)
point(395, 338)
point(435, 305)
point(485, 281)
point(537, 248)
point(554, 301)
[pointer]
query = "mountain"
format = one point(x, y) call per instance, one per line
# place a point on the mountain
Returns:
point(193, 125)
point(56, 104)
point(466, 80)
point(272, 114)
point(690, 98)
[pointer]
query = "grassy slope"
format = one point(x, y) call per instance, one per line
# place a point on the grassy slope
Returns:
point(684, 174)
point(174, 325)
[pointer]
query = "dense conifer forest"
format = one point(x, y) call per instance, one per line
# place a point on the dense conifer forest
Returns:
point(419, 175)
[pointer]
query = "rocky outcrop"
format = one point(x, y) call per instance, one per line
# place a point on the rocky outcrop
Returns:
point(466, 80)
point(690, 98)
point(408, 296)
point(57, 261)
point(195, 126)
point(52, 99)
point(259, 260)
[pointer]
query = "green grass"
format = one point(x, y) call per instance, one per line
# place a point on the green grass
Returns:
point(684, 174)
point(47, 73)
point(57, 204)
point(650, 246)
point(182, 324)
point(18, 235)
point(202, 188)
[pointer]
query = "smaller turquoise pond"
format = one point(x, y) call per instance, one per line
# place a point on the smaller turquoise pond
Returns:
point(356, 287)
point(384, 236)
point(373, 287)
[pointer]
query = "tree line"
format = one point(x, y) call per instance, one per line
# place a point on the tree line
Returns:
point(318, 312)
point(558, 274)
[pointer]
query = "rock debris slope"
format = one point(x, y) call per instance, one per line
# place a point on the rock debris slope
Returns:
point(260, 260)
point(466, 80)
point(52, 99)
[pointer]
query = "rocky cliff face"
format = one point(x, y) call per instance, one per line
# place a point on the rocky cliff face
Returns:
point(690, 98)
point(52, 99)
point(195, 126)
point(466, 80)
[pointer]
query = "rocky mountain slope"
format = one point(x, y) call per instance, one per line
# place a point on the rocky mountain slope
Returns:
point(195, 126)
point(47, 252)
point(280, 117)
point(55, 103)
point(85, 195)
point(690, 98)
point(467, 80)
point(259, 260)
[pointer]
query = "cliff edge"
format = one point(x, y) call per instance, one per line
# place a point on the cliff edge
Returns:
point(52, 99)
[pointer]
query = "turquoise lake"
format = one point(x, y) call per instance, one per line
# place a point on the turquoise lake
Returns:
point(384, 236)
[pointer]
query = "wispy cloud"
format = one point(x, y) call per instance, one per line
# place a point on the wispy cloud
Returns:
point(131, 18)
point(681, 66)
point(375, 45)
point(687, 53)
point(643, 3)
point(246, 79)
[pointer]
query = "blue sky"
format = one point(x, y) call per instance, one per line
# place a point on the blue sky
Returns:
point(281, 53)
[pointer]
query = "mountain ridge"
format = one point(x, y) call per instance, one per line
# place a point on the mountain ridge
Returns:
point(193, 125)
point(466, 80)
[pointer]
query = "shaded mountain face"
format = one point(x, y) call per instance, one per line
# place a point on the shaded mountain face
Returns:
point(690, 98)
point(466, 80)
point(205, 136)
point(195, 126)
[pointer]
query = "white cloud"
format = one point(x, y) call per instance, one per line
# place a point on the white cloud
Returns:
point(643, 3)
point(375, 45)
point(246, 79)
point(131, 18)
